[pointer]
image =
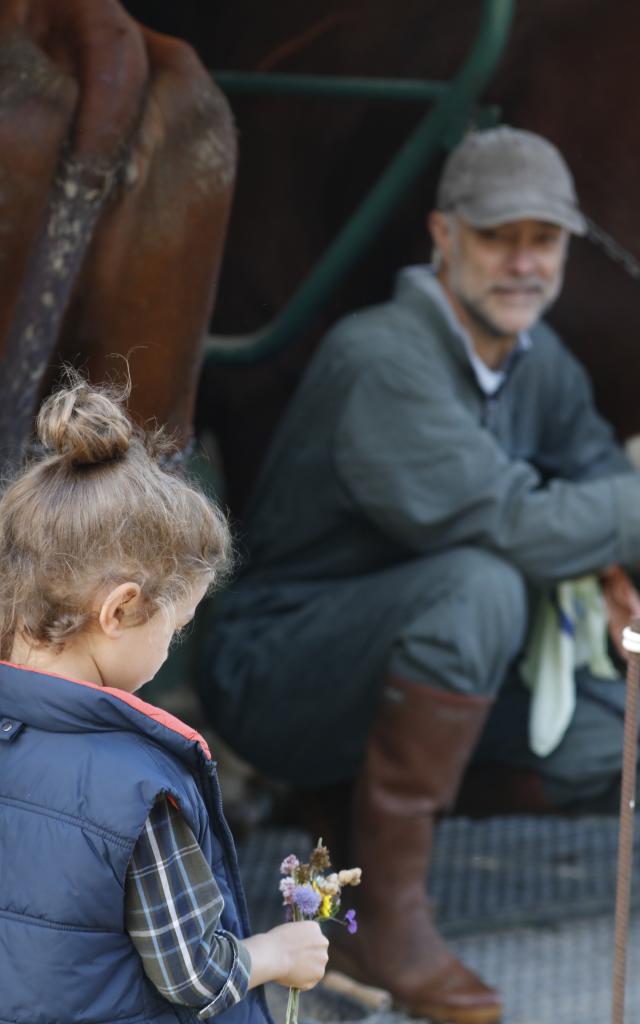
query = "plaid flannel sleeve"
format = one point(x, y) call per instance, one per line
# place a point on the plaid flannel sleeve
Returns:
point(172, 914)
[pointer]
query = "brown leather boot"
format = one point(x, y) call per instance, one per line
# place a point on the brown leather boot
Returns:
point(420, 744)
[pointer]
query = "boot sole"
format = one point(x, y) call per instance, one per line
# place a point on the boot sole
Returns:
point(435, 1013)
point(444, 1015)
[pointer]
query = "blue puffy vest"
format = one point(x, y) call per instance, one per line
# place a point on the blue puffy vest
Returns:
point(80, 769)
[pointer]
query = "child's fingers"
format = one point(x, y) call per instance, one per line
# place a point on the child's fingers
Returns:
point(307, 953)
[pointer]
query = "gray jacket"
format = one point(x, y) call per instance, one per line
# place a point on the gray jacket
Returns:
point(390, 448)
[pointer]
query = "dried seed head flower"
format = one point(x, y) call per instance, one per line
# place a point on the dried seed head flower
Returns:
point(289, 864)
point(352, 876)
point(287, 885)
point(320, 859)
point(328, 885)
point(303, 873)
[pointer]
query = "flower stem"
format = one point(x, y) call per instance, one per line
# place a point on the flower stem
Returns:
point(293, 1002)
point(293, 1005)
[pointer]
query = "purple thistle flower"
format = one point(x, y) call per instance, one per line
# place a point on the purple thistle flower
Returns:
point(350, 921)
point(306, 899)
point(289, 864)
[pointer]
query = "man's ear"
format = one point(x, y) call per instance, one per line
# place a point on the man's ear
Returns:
point(440, 231)
point(124, 598)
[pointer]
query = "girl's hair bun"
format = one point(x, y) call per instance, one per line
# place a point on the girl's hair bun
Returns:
point(84, 425)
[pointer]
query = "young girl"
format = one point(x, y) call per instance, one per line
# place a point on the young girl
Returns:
point(120, 899)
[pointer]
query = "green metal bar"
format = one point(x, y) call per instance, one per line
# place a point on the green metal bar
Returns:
point(446, 120)
point(249, 82)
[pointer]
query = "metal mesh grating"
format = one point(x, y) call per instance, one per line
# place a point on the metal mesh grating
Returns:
point(485, 875)
point(527, 902)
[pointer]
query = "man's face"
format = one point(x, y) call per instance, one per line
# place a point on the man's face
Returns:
point(504, 277)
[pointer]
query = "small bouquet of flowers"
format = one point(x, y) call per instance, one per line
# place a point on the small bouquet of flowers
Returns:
point(310, 894)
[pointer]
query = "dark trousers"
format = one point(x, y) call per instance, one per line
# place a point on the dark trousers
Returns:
point(292, 673)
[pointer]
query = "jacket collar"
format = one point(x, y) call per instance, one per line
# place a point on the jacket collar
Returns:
point(56, 704)
point(419, 288)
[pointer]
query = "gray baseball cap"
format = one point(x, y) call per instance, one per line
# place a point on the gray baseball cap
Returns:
point(507, 174)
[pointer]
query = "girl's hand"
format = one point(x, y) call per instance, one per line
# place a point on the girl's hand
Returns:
point(294, 955)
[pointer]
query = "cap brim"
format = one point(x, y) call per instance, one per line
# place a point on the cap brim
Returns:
point(505, 213)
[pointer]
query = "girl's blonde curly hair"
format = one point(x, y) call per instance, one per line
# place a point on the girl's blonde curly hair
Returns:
point(96, 510)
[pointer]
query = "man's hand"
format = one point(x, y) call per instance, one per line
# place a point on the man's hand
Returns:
point(622, 602)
